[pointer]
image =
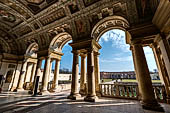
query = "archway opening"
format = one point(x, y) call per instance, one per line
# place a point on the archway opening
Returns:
point(65, 69)
point(116, 63)
point(152, 64)
point(57, 75)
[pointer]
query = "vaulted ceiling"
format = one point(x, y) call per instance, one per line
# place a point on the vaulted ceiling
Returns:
point(25, 21)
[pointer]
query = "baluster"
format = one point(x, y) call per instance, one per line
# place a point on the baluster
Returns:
point(114, 89)
point(137, 91)
point(127, 90)
point(100, 89)
point(117, 90)
point(104, 89)
point(156, 93)
point(163, 94)
point(120, 90)
point(123, 90)
point(132, 94)
point(112, 93)
point(108, 89)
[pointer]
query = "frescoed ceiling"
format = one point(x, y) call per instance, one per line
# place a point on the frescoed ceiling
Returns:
point(27, 21)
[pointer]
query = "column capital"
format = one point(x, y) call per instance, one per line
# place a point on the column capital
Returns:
point(48, 57)
point(90, 50)
point(96, 53)
point(83, 55)
point(76, 52)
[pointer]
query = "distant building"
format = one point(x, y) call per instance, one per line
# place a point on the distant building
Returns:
point(125, 75)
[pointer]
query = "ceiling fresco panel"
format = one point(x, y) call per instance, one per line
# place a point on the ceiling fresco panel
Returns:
point(35, 1)
point(89, 2)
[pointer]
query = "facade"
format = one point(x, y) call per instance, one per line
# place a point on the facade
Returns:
point(118, 75)
point(34, 30)
point(125, 75)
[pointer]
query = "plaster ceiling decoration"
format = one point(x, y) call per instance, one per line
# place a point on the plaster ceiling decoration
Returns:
point(26, 20)
point(53, 16)
point(4, 15)
point(35, 6)
point(89, 2)
point(15, 7)
point(35, 1)
point(9, 18)
point(73, 7)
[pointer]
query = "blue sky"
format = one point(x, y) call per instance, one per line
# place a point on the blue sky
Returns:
point(115, 54)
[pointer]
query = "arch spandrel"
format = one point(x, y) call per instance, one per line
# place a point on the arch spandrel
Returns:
point(108, 23)
point(5, 48)
point(32, 50)
point(59, 41)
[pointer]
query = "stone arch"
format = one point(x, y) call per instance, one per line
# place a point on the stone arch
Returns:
point(32, 49)
point(59, 41)
point(108, 23)
point(5, 48)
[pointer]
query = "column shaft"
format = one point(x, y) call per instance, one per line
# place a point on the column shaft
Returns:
point(135, 66)
point(22, 76)
point(91, 96)
point(83, 75)
point(46, 75)
point(75, 72)
point(162, 71)
point(165, 50)
point(56, 75)
point(97, 73)
point(38, 70)
point(144, 80)
point(33, 72)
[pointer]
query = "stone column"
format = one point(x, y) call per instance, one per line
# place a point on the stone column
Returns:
point(75, 72)
point(56, 75)
point(162, 71)
point(83, 75)
point(33, 72)
point(22, 76)
point(148, 100)
point(135, 66)
point(44, 89)
point(91, 96)
point(97, 73)
point(37, 73)
point(165, 50)
point(50, 69)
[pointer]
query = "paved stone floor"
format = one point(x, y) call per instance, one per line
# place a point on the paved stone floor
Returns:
point(57, 103)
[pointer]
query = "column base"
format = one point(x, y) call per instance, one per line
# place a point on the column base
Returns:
point(74, 96)
point(30, 92)
point(54, 90)
point(90, 98)
point(168, 100)
point(44, 93)
point(16, 90)
point(98, 94)
point(82, 92)
point(152, 106)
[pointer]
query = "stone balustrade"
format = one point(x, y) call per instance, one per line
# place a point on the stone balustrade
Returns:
point(130, 91)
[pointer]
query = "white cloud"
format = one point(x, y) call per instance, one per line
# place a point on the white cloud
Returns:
point(117, 59)
point(117, 37)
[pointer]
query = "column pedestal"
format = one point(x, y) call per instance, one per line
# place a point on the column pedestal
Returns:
point(74, 95)
point(148, 100)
